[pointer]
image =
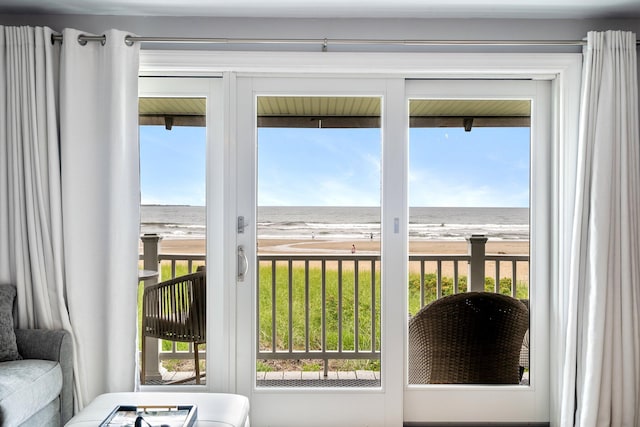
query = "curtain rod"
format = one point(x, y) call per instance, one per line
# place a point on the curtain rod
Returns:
point(324, 43)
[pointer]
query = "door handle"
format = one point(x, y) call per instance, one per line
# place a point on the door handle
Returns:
point(243, 264)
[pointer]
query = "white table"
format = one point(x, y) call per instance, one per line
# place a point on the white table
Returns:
point(147, 274)
point(214, 409)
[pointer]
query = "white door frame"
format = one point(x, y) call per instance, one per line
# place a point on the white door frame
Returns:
point(503, 403)
point(563, 70)
point(293, 406)
point(219, 298)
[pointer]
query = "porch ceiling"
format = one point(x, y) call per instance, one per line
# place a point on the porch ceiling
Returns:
point(344, 112)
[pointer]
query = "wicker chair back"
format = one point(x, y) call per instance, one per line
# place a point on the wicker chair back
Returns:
point(175, 310)
point(467, 338)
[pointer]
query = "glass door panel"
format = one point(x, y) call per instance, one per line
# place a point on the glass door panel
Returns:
point(318, 221)
point(172, 209)
point(469, 199)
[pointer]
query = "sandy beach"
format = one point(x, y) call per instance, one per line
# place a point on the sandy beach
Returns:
point(368, 246)
point(273, 246)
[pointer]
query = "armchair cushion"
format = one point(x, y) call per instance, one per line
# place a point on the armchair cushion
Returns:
point(55, 346)
point(8, 346)
point(26, 387)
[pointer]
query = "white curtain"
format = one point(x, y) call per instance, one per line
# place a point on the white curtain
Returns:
point(601, 370)
point(69, 196)
point(30, 213)
point(100, 205)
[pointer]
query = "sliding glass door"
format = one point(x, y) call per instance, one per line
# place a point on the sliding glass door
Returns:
point(478, 176)
point(358, 203)
point(314, 294)
point(287, 283)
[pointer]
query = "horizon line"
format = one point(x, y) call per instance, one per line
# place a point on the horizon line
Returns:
point(341, 206)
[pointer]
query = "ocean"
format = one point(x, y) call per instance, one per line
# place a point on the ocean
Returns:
point(336, 223)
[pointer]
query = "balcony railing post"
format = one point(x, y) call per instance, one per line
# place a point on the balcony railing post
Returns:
point(150, 251)
point(151, 261)
point(477, 250)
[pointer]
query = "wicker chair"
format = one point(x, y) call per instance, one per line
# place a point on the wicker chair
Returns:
point(468, 338)
point(175, 310)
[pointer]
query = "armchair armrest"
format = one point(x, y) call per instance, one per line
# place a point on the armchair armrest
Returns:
point(55, 345)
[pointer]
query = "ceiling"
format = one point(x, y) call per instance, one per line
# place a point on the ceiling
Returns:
point(344, 112)
point(529, 9)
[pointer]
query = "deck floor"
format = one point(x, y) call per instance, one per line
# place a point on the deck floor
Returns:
point(359, 378)
point(317, 375)
point(317, 379)
point(299, 379)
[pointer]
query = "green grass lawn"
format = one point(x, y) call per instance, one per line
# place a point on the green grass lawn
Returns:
point(339, 298)
point(344, 298)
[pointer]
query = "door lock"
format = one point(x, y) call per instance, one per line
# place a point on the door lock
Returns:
point(242, 224)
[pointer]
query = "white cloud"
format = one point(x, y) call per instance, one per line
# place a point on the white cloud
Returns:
point(429, 189)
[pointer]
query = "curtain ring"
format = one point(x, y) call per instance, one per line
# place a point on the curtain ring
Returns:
point(83, 39)
point(128, 41)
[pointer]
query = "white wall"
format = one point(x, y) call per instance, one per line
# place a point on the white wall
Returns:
point(402, 29)
point(331, 28)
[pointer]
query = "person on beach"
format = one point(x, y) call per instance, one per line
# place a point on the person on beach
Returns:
point(353, 249)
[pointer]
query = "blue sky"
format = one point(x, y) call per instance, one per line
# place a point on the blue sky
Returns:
point(172, 165)
point(318, 167)
point(484, 167)
point(341, 167)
